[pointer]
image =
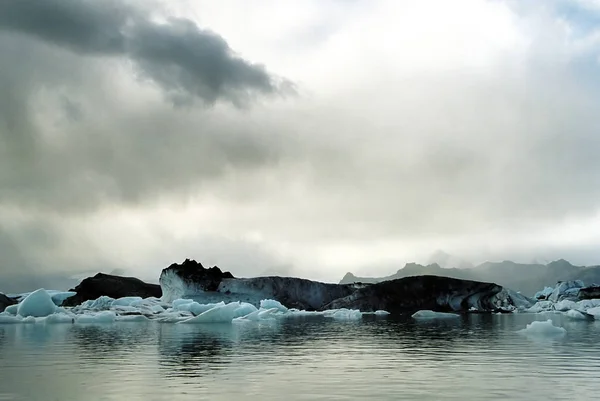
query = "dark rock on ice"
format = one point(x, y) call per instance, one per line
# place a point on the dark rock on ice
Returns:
point(6, 301)
point(436, 293)
point(590, 292)
point(111, 286)
point(193, 274)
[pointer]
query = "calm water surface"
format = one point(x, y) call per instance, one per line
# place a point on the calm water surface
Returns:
point(474, 358)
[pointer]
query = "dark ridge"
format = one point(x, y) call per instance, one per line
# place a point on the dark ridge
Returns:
point(111, 286)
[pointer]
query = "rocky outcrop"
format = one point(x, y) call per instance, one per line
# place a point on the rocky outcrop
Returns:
point(6, 301)
point(111, 286)
point(434, 293)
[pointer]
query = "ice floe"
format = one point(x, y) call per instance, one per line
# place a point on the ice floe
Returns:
point(37, 304)
point(543, 329)
point(428, 314)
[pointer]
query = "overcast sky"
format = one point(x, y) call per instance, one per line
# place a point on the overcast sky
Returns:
point(305, 137)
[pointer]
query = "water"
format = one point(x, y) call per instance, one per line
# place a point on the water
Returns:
point(473, 358)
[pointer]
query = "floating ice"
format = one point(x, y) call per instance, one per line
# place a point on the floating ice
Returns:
point(576, 315)
point(132, 318)
point(219, 314)
point(595, 312)
point(100, 317)
point(102, 303)
point(543, 329)
point(347, 314)
point(564, 305)
point(126, 301)
point(7, 319)
point(37, 304)
point(270, 303)
point(377, 313)
point(541, 306)
point(12, 309)
point(566, 289)
point(429, 314)
point(59, 318)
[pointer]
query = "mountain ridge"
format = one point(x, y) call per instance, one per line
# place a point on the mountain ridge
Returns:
point(527, 278)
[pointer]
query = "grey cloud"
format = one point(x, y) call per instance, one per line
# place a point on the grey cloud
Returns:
point(72, 141)
point(183, 59)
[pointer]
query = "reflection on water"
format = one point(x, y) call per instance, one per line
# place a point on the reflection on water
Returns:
point(474, 357)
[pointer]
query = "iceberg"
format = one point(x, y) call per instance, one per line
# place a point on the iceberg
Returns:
point(58, 318)
point(429, 314)
point(566, 289)
point(219, 314)
point(576, 315)
point(543, 294)
point(100, 317)
point(270, 304)
point(12, 309)
point(543, 329)
point(595, 312)
point(37, 304)
point(564, 305)
point(347, 314)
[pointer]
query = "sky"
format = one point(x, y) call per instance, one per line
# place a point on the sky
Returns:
point(306, 138)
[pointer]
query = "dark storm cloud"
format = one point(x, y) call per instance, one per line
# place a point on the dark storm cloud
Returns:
point(183, 59)
point(72, 139)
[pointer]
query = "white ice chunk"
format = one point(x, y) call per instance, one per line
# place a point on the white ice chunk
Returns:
point(157, 309)
point(564, 305)
point(59, 318)
point(381, 312)
point(244, 309)
point(541, 306)
point(102, 303)
point(37, 304)
point(100, 317)
point(7, 319)
point(347, 314)
point(58, 297)
point(125, 301)
point(543, 329)
point(12, 309)
point(587, 304)
point(218, 314)
point(178, 302)
point(576, 315)
point(271, 303)
point(565, 288)
point(594, 312)
point(429, 314)
point(172, 317)
point(266, 314)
